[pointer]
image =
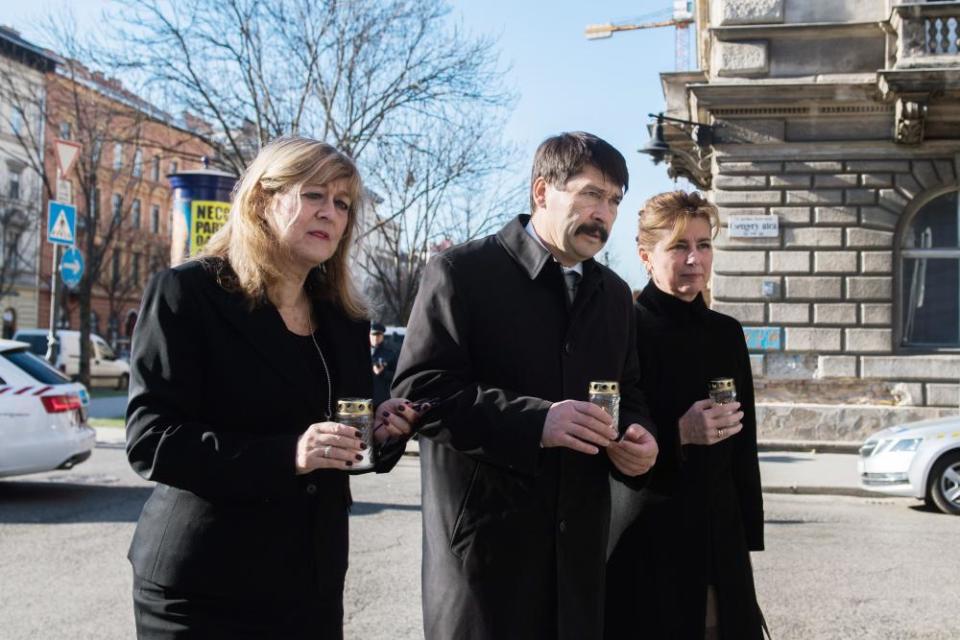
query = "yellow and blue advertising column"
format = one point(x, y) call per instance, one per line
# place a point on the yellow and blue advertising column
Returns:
point(201, 203)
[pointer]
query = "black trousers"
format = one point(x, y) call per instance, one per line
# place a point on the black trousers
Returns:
point(164, 613)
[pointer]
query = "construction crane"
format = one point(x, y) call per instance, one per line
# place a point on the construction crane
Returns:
point(681, 19)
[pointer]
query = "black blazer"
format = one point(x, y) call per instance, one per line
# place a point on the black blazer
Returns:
point(219, 395)
point(515, 536)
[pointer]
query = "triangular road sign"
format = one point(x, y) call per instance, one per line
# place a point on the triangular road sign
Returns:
point(61, 228)
point(67, 154)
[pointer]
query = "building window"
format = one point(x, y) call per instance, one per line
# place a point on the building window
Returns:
point(115, 268)
point(117, 208)
point(135, 214)
point(155, 169)
point(117, 156)
point(97, 148)
point(930, 275)
point(138, 163)
point(173, 167)
point(155, 219)
point(13, 188)
point(135, 269)
point(65, 131)
point(16, 120)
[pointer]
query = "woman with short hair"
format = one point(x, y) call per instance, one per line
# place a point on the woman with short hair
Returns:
point(239, 359)
point(682, 569)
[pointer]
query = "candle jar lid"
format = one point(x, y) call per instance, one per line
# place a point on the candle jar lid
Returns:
point(721, 384)
point(354, 406)
point(604, 387)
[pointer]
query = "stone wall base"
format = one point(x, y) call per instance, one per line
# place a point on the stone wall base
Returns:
point(835, 422)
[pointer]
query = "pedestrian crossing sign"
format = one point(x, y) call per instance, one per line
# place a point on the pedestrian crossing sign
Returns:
point(61, 223)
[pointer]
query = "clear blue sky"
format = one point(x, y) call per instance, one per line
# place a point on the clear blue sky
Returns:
point(564, 82)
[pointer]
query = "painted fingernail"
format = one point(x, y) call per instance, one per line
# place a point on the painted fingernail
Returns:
point(363, 446)
point(357, 434)
point(386, 414)
point(358, 457)
point(349, 463)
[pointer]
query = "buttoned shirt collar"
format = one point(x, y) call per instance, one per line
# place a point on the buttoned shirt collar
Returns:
point(578, 268)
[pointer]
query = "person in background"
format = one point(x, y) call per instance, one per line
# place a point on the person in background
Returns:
point(239, 359)
point(506, 333)
point(384, 360)
point(683, 566)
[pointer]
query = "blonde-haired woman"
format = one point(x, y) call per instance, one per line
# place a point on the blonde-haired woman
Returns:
point(238, 360)
point(682, 570)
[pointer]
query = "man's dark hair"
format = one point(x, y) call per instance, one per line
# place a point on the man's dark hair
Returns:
point(561, 157)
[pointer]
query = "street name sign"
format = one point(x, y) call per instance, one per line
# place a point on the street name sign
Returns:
point(753, 227)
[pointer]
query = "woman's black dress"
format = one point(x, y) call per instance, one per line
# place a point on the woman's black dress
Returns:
point(702, 510)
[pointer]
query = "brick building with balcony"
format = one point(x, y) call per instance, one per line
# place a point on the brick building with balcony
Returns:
point(119, 188)
point(840, 122)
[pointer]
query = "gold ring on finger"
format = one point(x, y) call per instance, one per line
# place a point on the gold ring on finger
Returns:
point(720, 432)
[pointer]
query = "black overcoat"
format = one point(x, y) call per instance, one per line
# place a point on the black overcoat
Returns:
point(219, 395)
point(514, 535)
point(702, 509)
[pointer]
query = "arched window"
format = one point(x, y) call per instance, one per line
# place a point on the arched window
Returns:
point(930, 275)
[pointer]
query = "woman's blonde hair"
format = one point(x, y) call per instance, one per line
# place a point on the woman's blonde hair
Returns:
point(249, 243)
point(670, 212)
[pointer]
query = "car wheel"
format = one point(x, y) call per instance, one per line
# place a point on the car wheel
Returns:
point(945, 483)
point(122, 382)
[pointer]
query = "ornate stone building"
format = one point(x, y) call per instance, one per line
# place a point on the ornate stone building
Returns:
point(22, 93)
point(840, 122)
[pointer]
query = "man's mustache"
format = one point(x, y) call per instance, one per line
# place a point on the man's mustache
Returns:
point(593, 229)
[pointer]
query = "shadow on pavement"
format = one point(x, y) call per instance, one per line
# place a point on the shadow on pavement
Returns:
point(369, 508)
point(766, 458)
point(31, 502)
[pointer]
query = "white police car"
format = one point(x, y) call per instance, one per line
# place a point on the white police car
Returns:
point(920, 460)
point(43, 416)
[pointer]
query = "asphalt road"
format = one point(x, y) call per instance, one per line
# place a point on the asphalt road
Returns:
point(835, 567)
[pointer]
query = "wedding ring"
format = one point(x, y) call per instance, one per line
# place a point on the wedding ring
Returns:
point(720, 432)
point(326, 451)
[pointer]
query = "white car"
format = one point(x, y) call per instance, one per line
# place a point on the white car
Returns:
point(919, 460)
point(43, 415)
point(106, 369)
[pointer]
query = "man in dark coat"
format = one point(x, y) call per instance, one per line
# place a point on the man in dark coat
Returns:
point(384, 360)
point(505, 336)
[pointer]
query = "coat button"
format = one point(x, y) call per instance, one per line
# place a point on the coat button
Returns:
point(563, 526)
point(568, 348)
point(311, 489)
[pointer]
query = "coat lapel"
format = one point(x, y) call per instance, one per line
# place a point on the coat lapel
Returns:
point(264, 332)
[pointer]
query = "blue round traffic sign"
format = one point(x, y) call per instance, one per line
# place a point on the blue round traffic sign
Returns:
point(71, 267)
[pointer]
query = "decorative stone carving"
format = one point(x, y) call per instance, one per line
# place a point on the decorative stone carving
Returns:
point(751, 12)
point(746, 58)
point(910, 117)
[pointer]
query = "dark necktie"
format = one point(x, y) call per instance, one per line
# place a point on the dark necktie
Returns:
point(573, 281)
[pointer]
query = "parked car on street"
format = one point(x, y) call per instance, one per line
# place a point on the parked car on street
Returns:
point(43, 415)
point(919, 459)
point(106, 369)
